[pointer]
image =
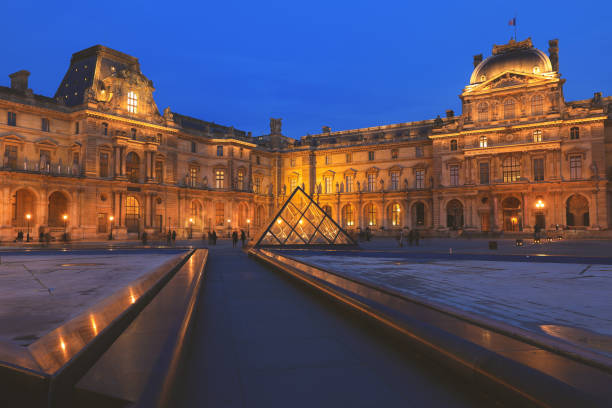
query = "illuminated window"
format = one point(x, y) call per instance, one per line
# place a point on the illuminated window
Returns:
point(219, 213)
point(454, 175)
point(132, 214)
point(537, 105)
point(132, 167)
point(257, 185)
point(396, 215)
point(348, 216)
point(509, 109)
point(371, 182)
point(511, 170)
point(482, 141)
point(574, 133)
point(327, 181)
point(370, 213)
point(240, 180)
point(395, 180)
point(537, 136)
point(132, 102)
point(220, 178)
point(328, 159)
point(419, 179)
point(349, 183)
point(193, 176)
point(394, 154)
point(453, 145)
point(575, 167)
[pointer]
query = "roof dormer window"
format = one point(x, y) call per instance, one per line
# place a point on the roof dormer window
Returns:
point(132, 102)
point(536, 69)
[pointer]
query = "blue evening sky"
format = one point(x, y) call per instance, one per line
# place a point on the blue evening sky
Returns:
point(345, 64)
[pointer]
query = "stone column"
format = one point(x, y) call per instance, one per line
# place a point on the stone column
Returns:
point(494, 225)
point(122, 160)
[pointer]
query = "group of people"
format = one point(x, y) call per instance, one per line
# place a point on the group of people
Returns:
point(212, 238)
point(413, 236)
point(243, 238)
point(171, 237)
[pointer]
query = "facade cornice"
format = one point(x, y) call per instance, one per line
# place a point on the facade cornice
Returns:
point(512, 148)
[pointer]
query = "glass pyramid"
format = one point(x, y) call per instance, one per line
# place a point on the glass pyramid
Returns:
point(301, 222)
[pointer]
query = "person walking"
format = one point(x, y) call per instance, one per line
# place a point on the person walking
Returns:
point(410, 237)
point(169, 238)
point(401, 238)
point(173, 237)
point(416, 237)
point(234, 239)
point(242, 237)
point(214, 237)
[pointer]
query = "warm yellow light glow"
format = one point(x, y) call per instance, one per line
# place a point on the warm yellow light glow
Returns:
point(191, 220)
point(111, 218)
point(301, 221)
point(228, 220)
point(28, 216)
point(279, 221)
point(132, 297)
point(514, 220)
point(65, 217)
point(248, 221)
point(539, 204)
point(63, 345)
point(93, 325)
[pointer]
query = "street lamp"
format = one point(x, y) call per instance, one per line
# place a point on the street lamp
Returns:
point(28, 216)
point(190, 228)
point(111, 219)
point(65, 217)
point(248, 227)
point(539, 204)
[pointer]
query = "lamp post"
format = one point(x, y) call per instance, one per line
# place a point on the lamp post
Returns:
point(248, 227)
point(65, 217)
point(190, 228)
point(229, 228)
point(28, 216)
point(111, 219)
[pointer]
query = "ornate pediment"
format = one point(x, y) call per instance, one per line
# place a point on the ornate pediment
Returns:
point(509, 79)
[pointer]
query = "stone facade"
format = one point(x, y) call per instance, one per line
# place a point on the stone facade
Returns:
point(518, 157)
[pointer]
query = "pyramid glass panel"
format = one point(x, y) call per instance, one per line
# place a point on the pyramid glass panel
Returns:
point(301, 222)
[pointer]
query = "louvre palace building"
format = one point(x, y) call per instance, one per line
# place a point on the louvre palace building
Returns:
point(100, 155)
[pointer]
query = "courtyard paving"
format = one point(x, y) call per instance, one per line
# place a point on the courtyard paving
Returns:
point(40, 291)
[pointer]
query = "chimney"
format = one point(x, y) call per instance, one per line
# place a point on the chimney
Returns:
point(19, 80)
point(553, 52)
point(477, 60)
point(450, 113)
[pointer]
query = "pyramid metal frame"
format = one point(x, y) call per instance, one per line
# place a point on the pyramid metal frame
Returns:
point(302, 215)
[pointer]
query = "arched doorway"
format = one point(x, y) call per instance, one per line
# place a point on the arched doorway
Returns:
point(395, 215)
point(132, 167)
point(348, 216)
point(369, 212)
point(243, 215)
point(577, 211)
point(418, 214)
point(24, 203)
point(511, 210)
point(454, 214)
point(58, 207)
point(260, 216)
point(132, 214)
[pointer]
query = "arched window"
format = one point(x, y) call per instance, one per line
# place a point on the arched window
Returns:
point(454, 214)
point(348, 216)
point(511, 169)
point(132, 214)
point(483, 112)
point(240, 180)
point(577, 211)
point(537, 136)
point(537, 104)
point(482, 141)
point(24, 203)
point(370, 215)
point(132, 167)
point(453, 145)
point(509, 109)
point(58, 207)
point(575, 133)
point(419, 213)
point(396, 212)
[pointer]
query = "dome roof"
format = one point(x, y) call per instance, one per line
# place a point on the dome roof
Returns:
point(514, 56)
